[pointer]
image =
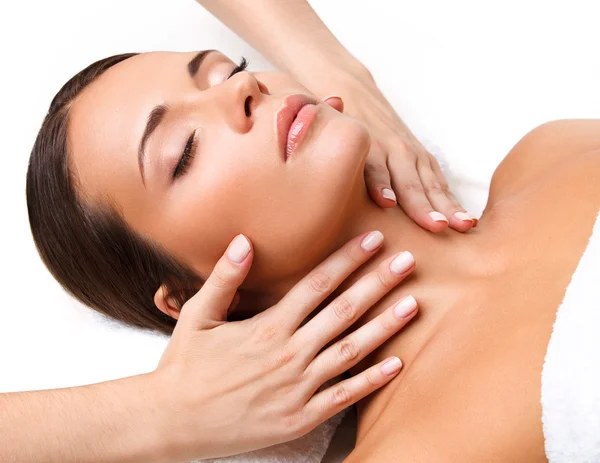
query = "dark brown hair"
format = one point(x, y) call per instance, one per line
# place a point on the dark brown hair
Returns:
point(89, 248)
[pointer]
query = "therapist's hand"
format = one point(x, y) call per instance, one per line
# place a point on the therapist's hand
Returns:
point(398, 168)
point(292, 36)
point(243, 385)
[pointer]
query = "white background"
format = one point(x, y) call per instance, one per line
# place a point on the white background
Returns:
point(470, 76)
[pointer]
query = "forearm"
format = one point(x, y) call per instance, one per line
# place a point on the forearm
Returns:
point(289, 34)
point(114, 421)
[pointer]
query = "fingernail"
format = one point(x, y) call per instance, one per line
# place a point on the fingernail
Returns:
point(438, 216)
point(475, 221)
point(391, 367)
point(372, 241)
point(238, 249)
point(463, 216)
point(388, 194)
point(406, 307)
point(402, 262)
point(331, 96)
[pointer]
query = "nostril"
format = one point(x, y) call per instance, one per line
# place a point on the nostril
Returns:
point(247, 105)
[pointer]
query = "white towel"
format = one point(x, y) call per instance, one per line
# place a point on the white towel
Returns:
point(310, 448)
point(571, 372)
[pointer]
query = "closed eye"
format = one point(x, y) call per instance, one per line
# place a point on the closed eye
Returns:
point(190, 147)
point(239, 68)
point(188, 155)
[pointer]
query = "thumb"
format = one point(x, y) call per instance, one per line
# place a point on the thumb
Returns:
point(208, 307)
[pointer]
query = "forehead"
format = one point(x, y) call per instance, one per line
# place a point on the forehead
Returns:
point(108, 117)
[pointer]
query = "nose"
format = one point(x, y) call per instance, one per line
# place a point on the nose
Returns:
point(245, 95)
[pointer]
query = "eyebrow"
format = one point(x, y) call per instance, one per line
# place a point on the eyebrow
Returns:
point(154, 118)
point(159, 112)
point(196, 61)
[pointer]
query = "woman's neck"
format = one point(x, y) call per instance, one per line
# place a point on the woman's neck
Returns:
point(445, 256)
point(447, 264)
point(451, 270)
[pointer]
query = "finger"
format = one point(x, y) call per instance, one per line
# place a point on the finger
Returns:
point(377, 179)
point(334, 399)
point(347, 352)
point(338, 316)
point(439, 196)
point(411, 195)
point(309, 292)
point(335, 102)
point(208, 307)
point(435, 166)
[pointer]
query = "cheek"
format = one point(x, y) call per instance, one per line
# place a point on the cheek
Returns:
point(226, 191)
point(197, 229)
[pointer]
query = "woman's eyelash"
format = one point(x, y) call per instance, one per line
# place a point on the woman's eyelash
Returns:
point(186, 157)
point(189, 150)
point(239, 68)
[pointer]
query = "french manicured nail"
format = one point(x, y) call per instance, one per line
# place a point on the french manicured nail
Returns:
point(372, 241)
point(238, 249)
point(463, 216)
point(389, 194)
point(406, 307)
point(438, 216)
point(402, 262)
point(391, 367)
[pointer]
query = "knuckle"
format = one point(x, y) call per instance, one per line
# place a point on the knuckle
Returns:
point(285, 357)
point(320, 282)
point(376, 168)
point(386, 324)
point(293, 422)
point(372, 379)
point(412, 186)
point(343, 309)
point(408, 155)
point(437, 187)
point(220, 279)
point(347, 350)
point(340, 396)
point(349, 256)
point(383, 278)
point(265, 332)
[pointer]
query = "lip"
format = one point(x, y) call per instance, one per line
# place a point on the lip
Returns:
point(285, 116)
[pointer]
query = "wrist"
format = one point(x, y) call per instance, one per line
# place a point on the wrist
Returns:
point(177, 422)
point(166, 425)
point(325, 77)
point(144, 396)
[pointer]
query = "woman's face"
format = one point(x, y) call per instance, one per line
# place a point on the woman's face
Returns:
point(130, 128)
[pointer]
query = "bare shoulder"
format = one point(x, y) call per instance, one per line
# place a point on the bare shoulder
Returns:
point(543, 148)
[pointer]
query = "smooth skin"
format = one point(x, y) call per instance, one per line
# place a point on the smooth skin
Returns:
point(222, 387)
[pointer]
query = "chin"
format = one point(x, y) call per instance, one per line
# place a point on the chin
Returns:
point(341, 154)
point(320, 196)
point(346, 148)
point(350, 136)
